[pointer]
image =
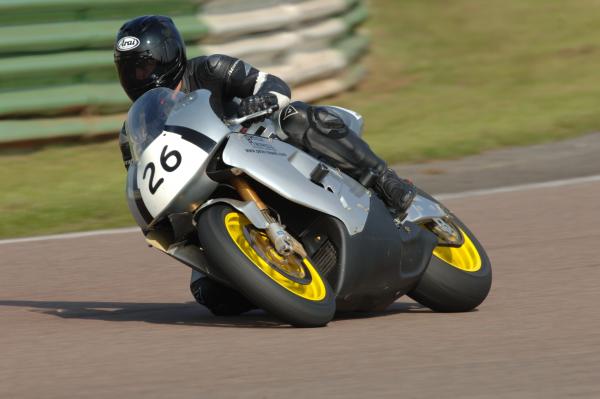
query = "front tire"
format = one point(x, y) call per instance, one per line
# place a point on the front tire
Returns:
point(456, 279)
point(231, 244)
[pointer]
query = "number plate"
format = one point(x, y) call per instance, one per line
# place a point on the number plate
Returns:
point(165, 168)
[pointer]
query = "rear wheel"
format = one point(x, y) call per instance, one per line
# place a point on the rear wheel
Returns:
point(456, 279)
point(289, 288)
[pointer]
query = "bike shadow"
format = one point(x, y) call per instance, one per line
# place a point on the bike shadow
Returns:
point(189, 313)
point(393, 309)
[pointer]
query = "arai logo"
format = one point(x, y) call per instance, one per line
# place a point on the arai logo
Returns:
point(128, 43)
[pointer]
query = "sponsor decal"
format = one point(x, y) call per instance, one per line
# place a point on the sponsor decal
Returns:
point(259, 143)
point(289, 111)
point(261, 146)
point(128, 43)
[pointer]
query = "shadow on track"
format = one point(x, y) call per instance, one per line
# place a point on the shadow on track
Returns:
point(189, 313)
point(394, 308)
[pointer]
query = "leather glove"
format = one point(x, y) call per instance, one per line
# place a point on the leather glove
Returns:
point(256, 103)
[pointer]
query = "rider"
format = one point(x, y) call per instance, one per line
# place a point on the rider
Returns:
point(149, 52)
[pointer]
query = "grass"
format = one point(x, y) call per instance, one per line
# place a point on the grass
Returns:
point(450, 79)
point(446, 80)
point(63, 188)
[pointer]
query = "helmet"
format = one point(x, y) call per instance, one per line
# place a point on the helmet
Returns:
point(149, 52)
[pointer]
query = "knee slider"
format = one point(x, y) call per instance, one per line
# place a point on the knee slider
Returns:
point(327, 123)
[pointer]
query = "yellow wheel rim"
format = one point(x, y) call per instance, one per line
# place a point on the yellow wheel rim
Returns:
point(466, 257)
point(314, 290)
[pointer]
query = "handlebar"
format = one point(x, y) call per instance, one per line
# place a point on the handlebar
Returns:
point(240, 120)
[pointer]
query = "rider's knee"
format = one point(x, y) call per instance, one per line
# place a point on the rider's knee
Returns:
point(297, 118)
point(325, 122)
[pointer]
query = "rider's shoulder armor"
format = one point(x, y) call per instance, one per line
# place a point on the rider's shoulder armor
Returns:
point(221, 74)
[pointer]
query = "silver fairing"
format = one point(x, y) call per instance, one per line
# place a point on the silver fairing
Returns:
point(133, 199)
point(195, 112)
point(194, 131)
point(287, 171)
point(423, 209)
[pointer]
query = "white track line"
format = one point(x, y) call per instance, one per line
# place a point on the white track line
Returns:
point(69, 236)
point(441, 197)
point(520, 187)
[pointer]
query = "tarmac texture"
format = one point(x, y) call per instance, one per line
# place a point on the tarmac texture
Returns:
point(105, 316)
point(509, 166)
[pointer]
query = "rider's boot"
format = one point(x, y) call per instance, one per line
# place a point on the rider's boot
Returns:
point(323, 133)
point(397, 193)
point(218, 298)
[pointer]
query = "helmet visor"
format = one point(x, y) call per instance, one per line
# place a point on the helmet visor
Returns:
point(138, 74)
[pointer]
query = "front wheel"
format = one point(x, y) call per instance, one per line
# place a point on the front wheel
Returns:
point(456, 279)
point(289, 288)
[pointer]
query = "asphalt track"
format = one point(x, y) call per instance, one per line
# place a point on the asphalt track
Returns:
point(105, 316)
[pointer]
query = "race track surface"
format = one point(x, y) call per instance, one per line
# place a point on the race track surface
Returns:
point(107, 317)
point(562, 159)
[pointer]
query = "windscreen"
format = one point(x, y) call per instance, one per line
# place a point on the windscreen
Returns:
point(147, 117)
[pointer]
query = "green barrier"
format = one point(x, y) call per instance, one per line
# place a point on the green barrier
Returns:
point(59, 69)
point(56, 69)
point(105, 97)
point(12, 131)
point(353, 76)
point(66, 69)
point(89, 66)
point(353, 47)
point(356, 16)
point(99, 97)
point(79, 35)
point(91, 98)
point(17, 12)
point(27, 130)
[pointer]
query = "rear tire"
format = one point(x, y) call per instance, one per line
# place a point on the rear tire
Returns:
point(445, 287)
point(223, 235)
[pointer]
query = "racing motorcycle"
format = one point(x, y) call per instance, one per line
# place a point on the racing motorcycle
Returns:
point(294, 235)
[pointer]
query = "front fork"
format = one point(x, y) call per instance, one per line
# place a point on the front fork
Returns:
point(282, 241)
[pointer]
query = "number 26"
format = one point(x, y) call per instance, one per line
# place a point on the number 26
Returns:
point(164, 163)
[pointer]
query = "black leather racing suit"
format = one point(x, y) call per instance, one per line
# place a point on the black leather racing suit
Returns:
point(315, 129)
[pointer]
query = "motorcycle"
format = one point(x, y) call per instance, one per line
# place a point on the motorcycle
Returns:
point(294, 235)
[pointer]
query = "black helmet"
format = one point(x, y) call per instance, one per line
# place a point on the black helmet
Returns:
point(149, 52)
